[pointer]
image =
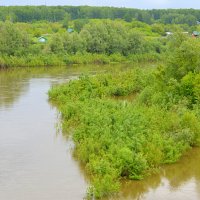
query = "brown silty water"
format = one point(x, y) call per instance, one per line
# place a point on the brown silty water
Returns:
point(36, 161)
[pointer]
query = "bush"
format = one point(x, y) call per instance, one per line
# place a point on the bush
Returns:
point(116, 138)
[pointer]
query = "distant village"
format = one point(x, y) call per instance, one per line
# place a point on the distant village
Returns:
point(194, 34)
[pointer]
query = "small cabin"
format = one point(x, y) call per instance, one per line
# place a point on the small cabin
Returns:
point(168, 33)
point(195, 33)
point(70, 30)
point(42, 39)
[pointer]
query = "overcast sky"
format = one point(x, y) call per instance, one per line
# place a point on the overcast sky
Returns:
point(145, 4)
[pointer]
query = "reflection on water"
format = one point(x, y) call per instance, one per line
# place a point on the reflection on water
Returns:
point(37, 164)
point(11, 88)
point(180, 181)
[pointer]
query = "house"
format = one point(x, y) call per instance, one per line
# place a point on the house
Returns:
point(168, 33)
point(42, 39)
point(195, 33)
point(70, 30)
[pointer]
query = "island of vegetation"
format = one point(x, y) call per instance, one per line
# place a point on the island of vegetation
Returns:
point(124, 124)
point(155, 123)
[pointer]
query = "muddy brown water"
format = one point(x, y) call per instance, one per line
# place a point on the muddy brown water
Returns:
point(36, 161)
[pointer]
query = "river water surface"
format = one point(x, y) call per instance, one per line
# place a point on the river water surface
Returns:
point(36, 162)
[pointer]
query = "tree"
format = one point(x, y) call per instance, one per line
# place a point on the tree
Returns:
point(185, 58)
point(95, 35)
point(66, 20)
point(79, 24)
point(158, 28)
point(73, 43)
point(13, 41)
point(56, 44)
point(135, 43)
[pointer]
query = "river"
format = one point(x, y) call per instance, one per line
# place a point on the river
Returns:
point(36, 161)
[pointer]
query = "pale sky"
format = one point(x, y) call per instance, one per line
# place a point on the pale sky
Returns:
point(144, 4)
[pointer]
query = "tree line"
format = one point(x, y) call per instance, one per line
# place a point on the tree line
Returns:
point(59, 13)
point(96, 36)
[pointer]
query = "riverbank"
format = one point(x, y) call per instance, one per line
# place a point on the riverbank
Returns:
point(82, 59)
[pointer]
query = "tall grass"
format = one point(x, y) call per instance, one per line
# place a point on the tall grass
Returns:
point(64, 60)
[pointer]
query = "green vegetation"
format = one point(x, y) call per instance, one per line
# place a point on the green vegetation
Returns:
point(124, 124)
point(65, 13)
point(98, 42)
point(88, 35)
point(155, 122)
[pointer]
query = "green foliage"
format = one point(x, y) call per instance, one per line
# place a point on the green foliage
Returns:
point(158, 28)
point(189, 87)
point(73, 43)
point(126, 123)
point(56, 44)
point(116, 138)
point(185, 57)
point(179, 18)
point(79, 24)
point(66, 20)
point(13, 41)
point(98, 42)
point(58, 13)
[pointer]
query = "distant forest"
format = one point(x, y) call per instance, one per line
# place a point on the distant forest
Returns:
point(59, 13)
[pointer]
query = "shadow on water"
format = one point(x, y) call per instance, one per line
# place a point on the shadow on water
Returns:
point(11, 88)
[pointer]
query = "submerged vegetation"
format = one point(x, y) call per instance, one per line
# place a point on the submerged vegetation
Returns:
point(117, 139)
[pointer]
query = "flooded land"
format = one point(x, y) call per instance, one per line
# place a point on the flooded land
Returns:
point(36, 160)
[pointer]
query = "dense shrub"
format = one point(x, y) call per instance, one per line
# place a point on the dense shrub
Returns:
point(116, 138)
